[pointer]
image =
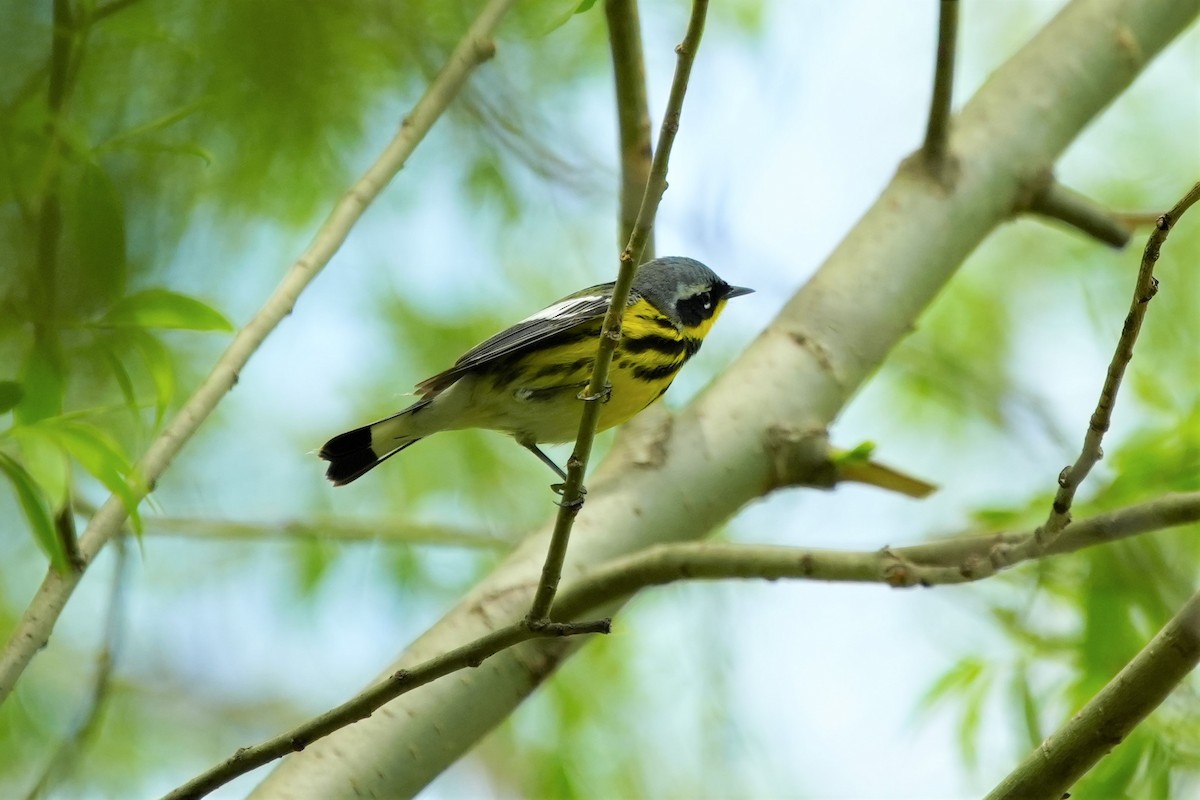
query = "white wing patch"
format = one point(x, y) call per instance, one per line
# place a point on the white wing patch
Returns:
point(563, 308)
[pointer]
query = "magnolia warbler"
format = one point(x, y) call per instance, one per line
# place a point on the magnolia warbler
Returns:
point(526, 380)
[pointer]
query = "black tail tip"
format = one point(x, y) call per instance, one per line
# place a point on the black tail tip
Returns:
point(349, 455)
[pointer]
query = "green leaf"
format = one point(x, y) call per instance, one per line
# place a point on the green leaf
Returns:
point(162, 308)
point(860, 454)
point(43, 381)
point(969, 724)
point(10, 394)
point(121, 375)
point(956, 680)
point(1024, 700)
point(47, 463)
point(542, 19)
point(101, 456)
point(93, 269)
point(585, 6)
point(36, 509)
point(158, 364)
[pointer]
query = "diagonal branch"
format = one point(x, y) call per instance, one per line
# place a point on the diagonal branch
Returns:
point(325, 530)
point(33, 631)
point(67, 754)
point(1144, 290)
point(1055, 201)
point(365, 703)
point(1068, 753)
point(610, 333)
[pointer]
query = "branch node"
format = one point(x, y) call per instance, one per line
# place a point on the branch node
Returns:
point(1055, 201)
point(797, 457)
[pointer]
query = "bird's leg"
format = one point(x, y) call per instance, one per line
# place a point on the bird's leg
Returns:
point(549, 462)
point(604, 395)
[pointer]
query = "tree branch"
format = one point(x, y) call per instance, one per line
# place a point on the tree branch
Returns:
point(962, 559)
point(1144, 290)
point(33, 631)
point(334, 530)
point(1063, 758)
point(610, 333)
point(937, 132)
point(64, 530)
point(67, 753)
point(1056, 201)
point(633, 114)
point(364, 704)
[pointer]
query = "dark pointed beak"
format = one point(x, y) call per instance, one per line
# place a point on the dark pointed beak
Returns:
point(737, 291)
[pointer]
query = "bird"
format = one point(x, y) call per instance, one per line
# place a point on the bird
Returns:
point(527, 380)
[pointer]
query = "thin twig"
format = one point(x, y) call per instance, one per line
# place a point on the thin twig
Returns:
point(49, 232)
point(33, 631)
point(958, 560)
point(327, 529)
point(64, 530)
point(67, 752)
point(610, 334)
point(1056, 201)
point(1144, 290)
point(333, 530)
point(366, 702)
point(633, 114)
point(1135, 220)
point(937, 132)
point(1145, 682)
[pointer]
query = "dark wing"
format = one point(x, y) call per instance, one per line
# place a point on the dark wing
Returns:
point(582, 307)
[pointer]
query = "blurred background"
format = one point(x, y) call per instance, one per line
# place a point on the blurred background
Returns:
point(179, 156)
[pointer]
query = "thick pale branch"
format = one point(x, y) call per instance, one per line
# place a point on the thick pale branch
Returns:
point(33, 631)
point(1063, 758)
point(610, 334)
point(1143, 291)
point(364, 704)
point(1056, 201)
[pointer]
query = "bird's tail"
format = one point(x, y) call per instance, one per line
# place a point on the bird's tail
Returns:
point(355, 453)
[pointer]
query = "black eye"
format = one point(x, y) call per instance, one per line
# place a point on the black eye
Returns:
point(697, 308)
